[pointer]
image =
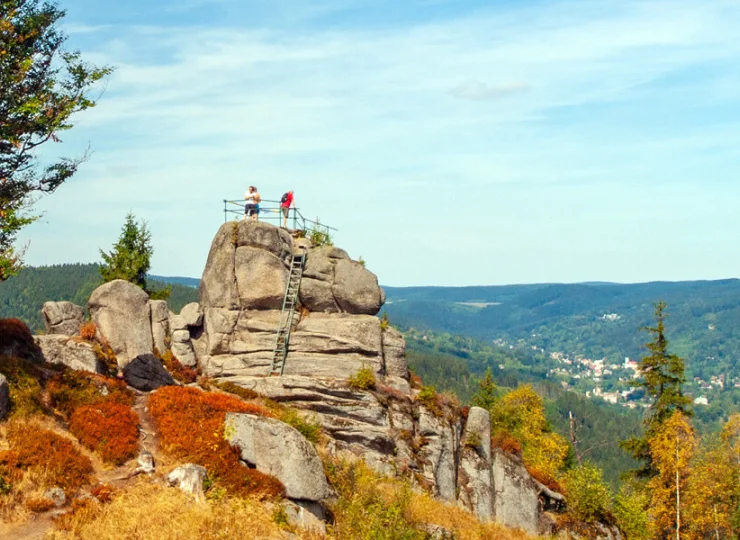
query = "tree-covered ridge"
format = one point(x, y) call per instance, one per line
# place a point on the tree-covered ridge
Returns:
point(23, 295)
point(590, 322)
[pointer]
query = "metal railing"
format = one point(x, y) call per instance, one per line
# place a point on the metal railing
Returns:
point(270, 211)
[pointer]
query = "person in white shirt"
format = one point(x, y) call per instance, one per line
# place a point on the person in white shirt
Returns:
point(251, 208)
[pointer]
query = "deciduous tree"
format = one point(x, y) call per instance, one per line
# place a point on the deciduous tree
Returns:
point(42, 86)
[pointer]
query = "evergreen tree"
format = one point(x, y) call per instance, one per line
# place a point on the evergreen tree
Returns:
point(130, 258)
point(41, 87)
point(662, 377)
point(487, 394)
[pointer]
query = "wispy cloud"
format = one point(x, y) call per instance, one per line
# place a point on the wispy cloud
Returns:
point(575, 92)
point(478, 91)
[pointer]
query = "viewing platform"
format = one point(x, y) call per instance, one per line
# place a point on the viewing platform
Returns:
point(271, 212)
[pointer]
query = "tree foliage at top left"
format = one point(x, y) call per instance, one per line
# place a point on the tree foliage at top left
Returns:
point(42, 86)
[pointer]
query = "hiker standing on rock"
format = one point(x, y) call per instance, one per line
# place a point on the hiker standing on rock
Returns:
point(252, 199)
point(286, 202)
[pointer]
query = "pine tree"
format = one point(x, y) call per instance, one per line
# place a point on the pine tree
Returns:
point(662, 377)
point(487, 394)
point(130, 258)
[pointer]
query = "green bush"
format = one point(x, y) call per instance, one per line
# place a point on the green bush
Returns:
point(630, 511)
point(310, 429)
point(363, 379)
point(589, 498)
point(428, 397)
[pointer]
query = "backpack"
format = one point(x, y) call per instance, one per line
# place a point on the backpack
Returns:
point(284, 198)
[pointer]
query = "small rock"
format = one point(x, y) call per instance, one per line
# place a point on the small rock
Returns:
point(189, 478)
point(146, 373)
point(57, 496)
point(304, 518)
point(146, 463)
point(437, 532)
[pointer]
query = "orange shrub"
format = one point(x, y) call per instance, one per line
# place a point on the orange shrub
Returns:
point(191, 426)
point(178, 371)
point(507, 443)
point(88, 330)
point(103, 492)
point(39, 505)
point(545, 479)
point(53, 458)
point(109, 429)
point(72, 389)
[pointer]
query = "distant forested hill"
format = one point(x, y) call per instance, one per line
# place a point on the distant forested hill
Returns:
point(22, 296)
point(703, 323)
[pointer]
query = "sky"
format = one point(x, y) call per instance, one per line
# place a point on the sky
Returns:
point(451, 143)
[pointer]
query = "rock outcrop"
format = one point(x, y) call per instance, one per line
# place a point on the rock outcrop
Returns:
point(121, 310)
point(279, 450)
point(62, 318)
point(230, 335)
point(60, 349)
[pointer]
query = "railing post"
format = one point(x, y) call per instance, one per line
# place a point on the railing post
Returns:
point(225, 218)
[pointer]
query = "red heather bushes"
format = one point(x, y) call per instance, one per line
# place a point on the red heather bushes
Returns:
point(109, 429)
point(47, 455)
point(99, 413)
point(191, 426)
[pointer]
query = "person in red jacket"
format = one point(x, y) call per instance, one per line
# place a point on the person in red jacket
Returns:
point(285, 203)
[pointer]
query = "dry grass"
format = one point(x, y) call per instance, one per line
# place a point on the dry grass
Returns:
point(373, 506)
point(147, 511)
point(423, 508)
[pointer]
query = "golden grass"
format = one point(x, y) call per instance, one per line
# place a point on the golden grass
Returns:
point(149, 511)
point(375, 507)
point(423, 508)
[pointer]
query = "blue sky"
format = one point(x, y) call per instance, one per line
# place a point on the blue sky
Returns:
point(451, 142)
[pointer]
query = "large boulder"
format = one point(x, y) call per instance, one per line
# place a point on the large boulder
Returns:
point(62, 318)
point(4, 397)
point(279, 450)
point(261, 278)
point(516, 493)
point(121, 311)
point(242, 255)
point(74, 354)
point(160, 316)
point(146, 373)
point(356, 289)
